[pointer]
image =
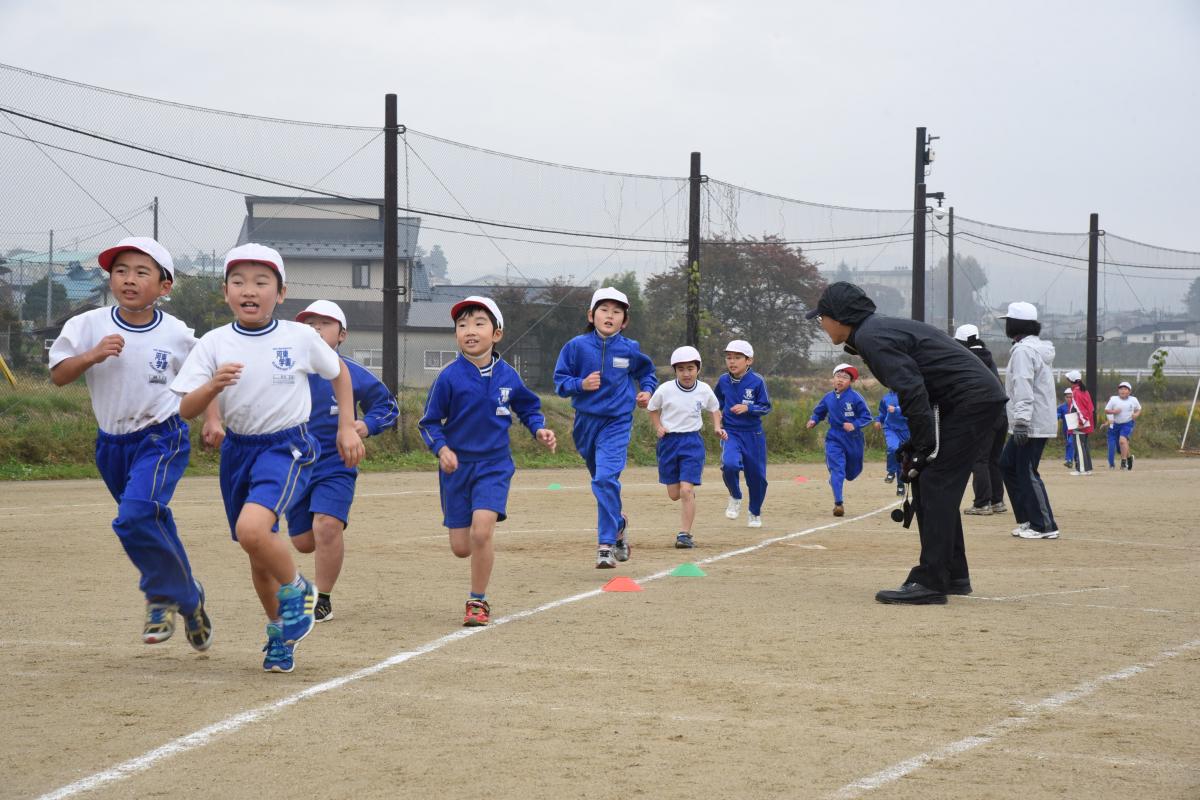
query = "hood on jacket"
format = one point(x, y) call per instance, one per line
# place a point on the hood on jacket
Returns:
point(1044, 347)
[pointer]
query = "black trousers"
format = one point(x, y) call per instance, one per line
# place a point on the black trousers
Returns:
point(1083, 453)
point(987, 480)
point(940, 489)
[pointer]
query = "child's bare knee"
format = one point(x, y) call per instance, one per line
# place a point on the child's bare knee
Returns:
point(673, 491)
point(305, 543)
point(461, 549)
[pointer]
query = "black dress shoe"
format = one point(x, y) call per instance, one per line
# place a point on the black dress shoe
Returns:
point(960, 586)
point(912, 594)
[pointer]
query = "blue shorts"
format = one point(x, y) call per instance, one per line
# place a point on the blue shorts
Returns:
point(330, 491)
point(271, 469)
point(680, 458)
point(475, 486)
point(1119, 429)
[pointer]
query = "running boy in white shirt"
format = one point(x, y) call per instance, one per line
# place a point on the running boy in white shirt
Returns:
point(676, 413)
point(1122, 411)
point(258, 367)
point(129, 353)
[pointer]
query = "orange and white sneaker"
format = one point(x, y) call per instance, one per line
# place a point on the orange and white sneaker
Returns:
point(479, 613)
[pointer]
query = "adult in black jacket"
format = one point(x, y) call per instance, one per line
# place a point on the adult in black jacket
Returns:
point(987, 480)
point(927, 369)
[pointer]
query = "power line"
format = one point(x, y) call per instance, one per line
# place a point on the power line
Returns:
point(321, 192)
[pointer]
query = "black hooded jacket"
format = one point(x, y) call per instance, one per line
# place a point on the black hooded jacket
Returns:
point(925, 367)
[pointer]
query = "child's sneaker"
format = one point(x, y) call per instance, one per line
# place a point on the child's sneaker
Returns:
point(605, 558)
point(683, 541)
point(297, 607)
point(622, 549)
point(900, 490)
point(755, 521)
point(1130, 461)
point(891, 476)
point(160, 622)
point(979, 511)
point(479, 613)
point(839, 510)
point(733, 509)
point(999, 508)
point(323, 612)
point(197, 625)
point(279, 655)
point(1123, 464)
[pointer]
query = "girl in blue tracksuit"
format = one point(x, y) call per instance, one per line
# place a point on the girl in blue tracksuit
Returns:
point(848, 414)
point(895, 432)
point(606, 376)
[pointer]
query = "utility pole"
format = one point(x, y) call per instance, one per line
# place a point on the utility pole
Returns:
point(156, 219)
point(950, 276)
point(918, 257)
point(50, 279)
point(391, 277)
point(1093, 335)
point(693, 285)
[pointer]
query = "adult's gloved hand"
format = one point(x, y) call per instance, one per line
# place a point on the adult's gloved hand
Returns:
point(1020, 434)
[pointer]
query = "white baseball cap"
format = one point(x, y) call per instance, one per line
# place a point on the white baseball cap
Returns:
point(1021, 310)
point(964, 332)
point(142, 244)
point(1067, 390)
point(323, 308)
point(1126, 384)
point(682, 355)
point(608, 293)
point(257, 253)
point(478, 300)
point(1073, 375)
point(740, 346)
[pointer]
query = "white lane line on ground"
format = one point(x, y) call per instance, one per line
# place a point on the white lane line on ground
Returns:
point(204, 736)
point(997, 729)
point(1049, 594)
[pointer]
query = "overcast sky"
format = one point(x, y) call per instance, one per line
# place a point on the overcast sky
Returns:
point(1047, 110)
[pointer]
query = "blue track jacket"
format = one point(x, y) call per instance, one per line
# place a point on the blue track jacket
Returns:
point(749, 389)
point(623, 368)
point(379, 408)
point(471, 412)
point(849, 406)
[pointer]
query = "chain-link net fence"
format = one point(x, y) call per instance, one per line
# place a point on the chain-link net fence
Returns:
point(87, 166)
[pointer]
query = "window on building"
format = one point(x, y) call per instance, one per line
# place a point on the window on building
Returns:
point(436, 359)
point(361, 277)
point(371, 359)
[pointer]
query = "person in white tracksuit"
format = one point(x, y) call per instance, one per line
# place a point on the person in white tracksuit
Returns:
point(1032, 421)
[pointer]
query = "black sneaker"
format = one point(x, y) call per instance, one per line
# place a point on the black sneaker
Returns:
point(324, 610)
point(891, 476)
point(1123, 465)
point(1130, 461)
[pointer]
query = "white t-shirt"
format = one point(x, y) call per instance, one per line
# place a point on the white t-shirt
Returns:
point(272, 393)
point(681, 407)
point(130, 391)
point(1125, 408)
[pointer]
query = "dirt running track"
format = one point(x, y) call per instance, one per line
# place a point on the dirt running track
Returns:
point(1073, 672)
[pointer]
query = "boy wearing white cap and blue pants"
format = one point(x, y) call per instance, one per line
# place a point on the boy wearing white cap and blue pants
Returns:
point(744, 401)
point(676, 412)
point(1122, 411)
point(129, 353)
point(317, 519)
point(606, 376)
point(466, 424)
point(258, 368)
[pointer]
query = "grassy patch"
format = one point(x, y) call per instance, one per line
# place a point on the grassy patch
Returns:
point(49, 432)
